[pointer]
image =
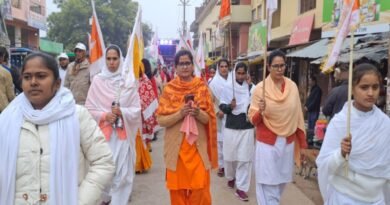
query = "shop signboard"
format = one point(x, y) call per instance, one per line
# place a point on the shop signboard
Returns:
point(257, 37)
point(374, 15)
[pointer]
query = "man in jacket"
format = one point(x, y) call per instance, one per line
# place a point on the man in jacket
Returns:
point(77, 75)
point(338, 95)
point(312, 107)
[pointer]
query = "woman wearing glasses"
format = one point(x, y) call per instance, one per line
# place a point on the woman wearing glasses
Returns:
point(187, 112)
point(280, 132)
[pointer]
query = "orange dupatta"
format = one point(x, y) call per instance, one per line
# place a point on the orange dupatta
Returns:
point(172, 100)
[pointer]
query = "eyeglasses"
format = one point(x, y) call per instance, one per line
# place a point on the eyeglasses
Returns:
point(184, 64)
point(278, 66)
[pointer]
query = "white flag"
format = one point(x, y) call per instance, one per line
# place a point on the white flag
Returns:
point(200, 54)
point(272, 6)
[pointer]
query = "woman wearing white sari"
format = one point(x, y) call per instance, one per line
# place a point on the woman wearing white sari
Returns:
point(368, 176)
point(45, 141)
point(107, 89)
point(217, 84)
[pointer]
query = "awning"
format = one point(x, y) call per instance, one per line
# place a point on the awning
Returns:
point(372, 47)
point(315, 50)
point(318, 49)
point(50, 46)
point(372, 52)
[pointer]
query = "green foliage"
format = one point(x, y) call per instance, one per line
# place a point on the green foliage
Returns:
point(116, 18)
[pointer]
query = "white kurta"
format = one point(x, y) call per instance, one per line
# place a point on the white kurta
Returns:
point(238, 145)
point(62, 73)
point(121, 187)
point(274, 164)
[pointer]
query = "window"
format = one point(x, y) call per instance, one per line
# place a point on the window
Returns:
point(307, 5)
point(253, 14)
point(36, 8)
point(260, 12)
point(16, 3)
point(276, 17)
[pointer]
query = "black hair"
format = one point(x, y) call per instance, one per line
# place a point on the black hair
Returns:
point(363, 69)
point(242, 65)
point(4, 53)
point(115, 48)
point(47, 60)
point(212, 68)
point(313, 78)
point(183, 53)
point(276, 53)
point(223, 60)
point(148, 68)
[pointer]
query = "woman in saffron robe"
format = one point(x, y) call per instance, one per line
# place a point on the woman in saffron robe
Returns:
point(116, 108)
point(188, 156)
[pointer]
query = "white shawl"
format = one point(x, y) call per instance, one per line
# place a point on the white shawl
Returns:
point(218, 83)
point(60, 115)
point(370, 154)
point(241, 93)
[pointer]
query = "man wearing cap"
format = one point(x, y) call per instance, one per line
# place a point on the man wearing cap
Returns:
point(77, 75)
point(63, 60)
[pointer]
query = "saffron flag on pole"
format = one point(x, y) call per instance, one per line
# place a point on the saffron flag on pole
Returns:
point(96, 45)
point(135, 52)
point(349, 21)
point(272, 6)
point(225, 9)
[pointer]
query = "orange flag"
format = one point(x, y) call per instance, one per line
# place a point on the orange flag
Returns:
point(225, 9)
point(96, 45)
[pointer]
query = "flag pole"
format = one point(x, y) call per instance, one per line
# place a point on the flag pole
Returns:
point(265, 52)
point(231, 57)
point(349, 96)
point(231, 47)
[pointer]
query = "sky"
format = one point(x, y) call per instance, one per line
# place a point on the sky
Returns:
point(164, 16)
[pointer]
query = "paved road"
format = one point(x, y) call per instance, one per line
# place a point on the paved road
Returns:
point(149, 188)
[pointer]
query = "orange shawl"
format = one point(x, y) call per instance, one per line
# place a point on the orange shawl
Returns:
point(172, 100)
point(283, 112)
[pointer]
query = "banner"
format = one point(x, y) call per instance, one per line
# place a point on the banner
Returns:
point(370, 11)
point(257, 37)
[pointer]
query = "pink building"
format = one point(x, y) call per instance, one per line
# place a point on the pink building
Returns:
point(28, 18)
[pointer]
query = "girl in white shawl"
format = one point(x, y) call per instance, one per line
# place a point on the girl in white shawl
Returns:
point(107, 89)
point(44, 137)
point(368, 148)
point(217, 84)
point(239, 141)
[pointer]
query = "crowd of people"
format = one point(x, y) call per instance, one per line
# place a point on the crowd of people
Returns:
point(67, 137)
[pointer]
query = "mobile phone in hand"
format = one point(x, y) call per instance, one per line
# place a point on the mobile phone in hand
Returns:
point(189, 97)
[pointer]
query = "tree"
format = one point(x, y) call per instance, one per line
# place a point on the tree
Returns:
point(116, 18)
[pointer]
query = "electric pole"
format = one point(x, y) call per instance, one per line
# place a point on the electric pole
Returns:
point(184, 3)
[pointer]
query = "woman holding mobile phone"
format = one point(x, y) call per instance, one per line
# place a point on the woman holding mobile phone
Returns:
point(188, 159)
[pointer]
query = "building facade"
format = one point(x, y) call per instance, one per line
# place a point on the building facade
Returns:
point(227, 37)
point(26, 19)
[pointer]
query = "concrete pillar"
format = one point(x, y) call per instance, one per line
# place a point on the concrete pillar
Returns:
point(243, 41)
point(18, 36)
